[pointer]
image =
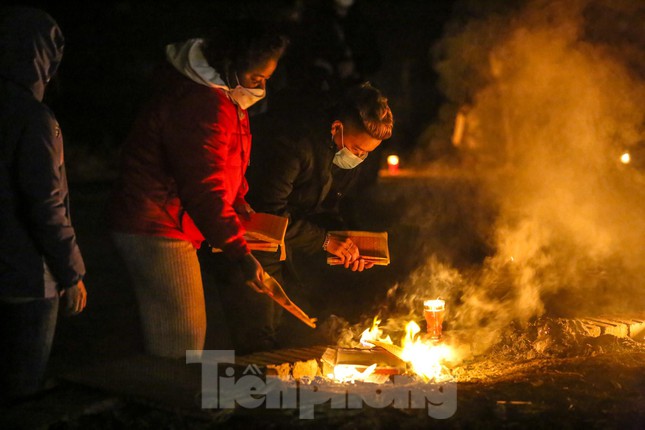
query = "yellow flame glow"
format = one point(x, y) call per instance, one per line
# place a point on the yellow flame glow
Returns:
point(374, 333)
point(350, 373)
point(434, 305)
point(426, 358)
point(625, 158)
point(393, 160)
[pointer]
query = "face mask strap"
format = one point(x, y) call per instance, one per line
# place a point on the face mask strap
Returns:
point(250, 91)
point(342, 143)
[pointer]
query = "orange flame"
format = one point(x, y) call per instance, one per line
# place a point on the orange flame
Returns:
point(374, 333)
point(350, 373)
point(426, 358)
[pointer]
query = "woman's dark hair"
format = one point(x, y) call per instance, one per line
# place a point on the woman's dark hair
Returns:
point(243, 44)
point(366, 108)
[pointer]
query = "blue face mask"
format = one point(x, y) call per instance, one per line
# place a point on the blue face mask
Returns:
point(344, 158)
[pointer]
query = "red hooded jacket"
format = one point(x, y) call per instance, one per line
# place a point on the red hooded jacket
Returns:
point(183, 167)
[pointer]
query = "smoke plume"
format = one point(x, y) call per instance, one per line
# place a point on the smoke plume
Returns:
point(548, 96)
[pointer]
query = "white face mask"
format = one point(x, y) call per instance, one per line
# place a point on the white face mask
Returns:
point(346, 159)
point(246, 97)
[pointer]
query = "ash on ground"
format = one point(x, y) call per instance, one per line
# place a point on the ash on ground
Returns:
point(544, 340)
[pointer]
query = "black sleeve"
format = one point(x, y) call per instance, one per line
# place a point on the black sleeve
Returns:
point(272, 178)
point(44, 197)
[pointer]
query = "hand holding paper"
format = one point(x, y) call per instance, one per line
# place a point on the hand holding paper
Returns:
point(372, 248)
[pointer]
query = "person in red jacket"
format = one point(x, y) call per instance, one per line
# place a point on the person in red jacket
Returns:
point(182, 179)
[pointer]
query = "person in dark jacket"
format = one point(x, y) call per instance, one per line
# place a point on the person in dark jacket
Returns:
point(39, 257)
point(304, 163)
point(182, 179)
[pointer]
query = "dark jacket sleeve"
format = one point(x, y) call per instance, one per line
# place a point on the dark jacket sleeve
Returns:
point(43, 187)
point(198, 142)
point(282, 165)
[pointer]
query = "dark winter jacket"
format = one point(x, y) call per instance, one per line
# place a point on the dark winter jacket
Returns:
point(35, 224)
point(292, 175)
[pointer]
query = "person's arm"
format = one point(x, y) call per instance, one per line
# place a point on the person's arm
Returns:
point(241, 206)
point(280, 166)
point(44, 198)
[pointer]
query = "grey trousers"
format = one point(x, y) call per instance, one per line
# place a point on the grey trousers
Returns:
point(168, 287)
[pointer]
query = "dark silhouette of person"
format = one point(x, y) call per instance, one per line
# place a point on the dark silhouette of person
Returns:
point(39, 257)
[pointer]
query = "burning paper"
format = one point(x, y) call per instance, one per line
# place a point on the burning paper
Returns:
point(360, 365)
point(426, 357)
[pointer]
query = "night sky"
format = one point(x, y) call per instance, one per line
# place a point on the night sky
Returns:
point(112, 48)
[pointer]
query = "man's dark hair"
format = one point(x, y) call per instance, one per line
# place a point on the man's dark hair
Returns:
point(366, 108)
point(243, 44)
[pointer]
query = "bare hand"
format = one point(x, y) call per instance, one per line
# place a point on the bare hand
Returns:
point(75, 299)
point(244, 210)
point(345, 249)
point(253, 273)
point(360, 265)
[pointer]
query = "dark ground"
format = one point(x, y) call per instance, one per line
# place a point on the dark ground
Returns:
point(604, 389)
point(605, 392)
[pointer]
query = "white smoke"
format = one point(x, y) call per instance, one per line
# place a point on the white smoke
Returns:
point(551, 92)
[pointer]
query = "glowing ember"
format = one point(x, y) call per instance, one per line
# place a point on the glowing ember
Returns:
point(625, 158)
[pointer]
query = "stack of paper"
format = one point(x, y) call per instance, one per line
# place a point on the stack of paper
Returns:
point(356, 361)
point(264, 232)
point(372, 246)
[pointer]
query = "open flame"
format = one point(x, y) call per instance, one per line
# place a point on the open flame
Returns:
point(350, 373)
point(374, 333)
point(426, 358)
